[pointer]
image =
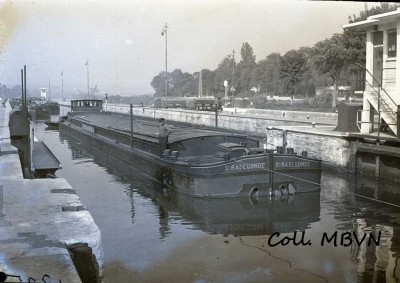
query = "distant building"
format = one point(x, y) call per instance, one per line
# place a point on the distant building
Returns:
point(43, 93)
point(382, 76)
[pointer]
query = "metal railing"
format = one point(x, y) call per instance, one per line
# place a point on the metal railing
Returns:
point(380, 88)
point(373, 122)
point(388, 103)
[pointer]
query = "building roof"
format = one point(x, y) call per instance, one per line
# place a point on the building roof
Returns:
point(375, 20)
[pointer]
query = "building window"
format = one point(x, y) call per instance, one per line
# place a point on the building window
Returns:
point(392, 43)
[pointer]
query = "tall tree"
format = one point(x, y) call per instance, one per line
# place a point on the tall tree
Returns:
point(354, 45)
point(265, 75)
point(257, 78)
point(294, 64)
point(208, 82)
point(222, 73)
point(181, 84)
point(244, 78)
point(330, 58)
point(383, 8)
point(248, 57)
point(307, 84)
point(189, 85)
point(273, 63)
point(158, 83)
point(245, 67)
point(175, 82)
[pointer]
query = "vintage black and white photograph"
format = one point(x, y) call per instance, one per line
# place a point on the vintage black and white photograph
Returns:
point(199, 141)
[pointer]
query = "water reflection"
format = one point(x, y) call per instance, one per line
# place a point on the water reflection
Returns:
point(232, 216)
point(379, 189)
point(354, 208)
point(241, 217)
point(336, 208)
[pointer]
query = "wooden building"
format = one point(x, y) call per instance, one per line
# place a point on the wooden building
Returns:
point(381, 97)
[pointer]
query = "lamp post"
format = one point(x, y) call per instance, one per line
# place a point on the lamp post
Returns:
point(62, 85)
point(233, 71)
point(87, 67)
point(164, 32)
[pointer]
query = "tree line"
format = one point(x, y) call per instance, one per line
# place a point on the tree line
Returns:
point(14, 91)
point(333, 61)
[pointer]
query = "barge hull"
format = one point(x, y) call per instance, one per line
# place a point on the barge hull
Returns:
point(234, 184)
point(191, 184)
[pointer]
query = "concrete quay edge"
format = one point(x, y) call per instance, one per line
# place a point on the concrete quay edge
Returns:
point(40, 220)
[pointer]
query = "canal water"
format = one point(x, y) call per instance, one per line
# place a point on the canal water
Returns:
point(153, 235)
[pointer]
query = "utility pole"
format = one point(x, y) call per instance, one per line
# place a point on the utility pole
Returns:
point(62, 85)
point(164, 32)
point(200, 85)
point(49, 96)
point(233, 73)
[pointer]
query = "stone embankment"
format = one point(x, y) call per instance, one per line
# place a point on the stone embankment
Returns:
point(46, 233)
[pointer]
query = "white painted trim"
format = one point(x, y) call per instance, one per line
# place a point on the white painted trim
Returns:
point(385, 57)
point(369, 55)
point(396, 96)
point(361, 24)
point(366, 126)
point(379, 16)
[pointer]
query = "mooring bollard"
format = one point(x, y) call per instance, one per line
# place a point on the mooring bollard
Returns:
point(313, 124)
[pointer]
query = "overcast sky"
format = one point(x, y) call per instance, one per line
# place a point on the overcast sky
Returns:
point(123, 43)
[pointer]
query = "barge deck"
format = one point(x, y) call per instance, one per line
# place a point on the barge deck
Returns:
point(200, 163)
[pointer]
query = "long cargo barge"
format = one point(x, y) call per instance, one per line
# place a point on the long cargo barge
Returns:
point(39, 109)
point(200, 163)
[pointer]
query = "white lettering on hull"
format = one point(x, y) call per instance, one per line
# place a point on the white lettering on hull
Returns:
point(292, 164)
point(245, 166)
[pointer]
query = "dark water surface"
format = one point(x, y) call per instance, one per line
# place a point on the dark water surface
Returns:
point(153, 235)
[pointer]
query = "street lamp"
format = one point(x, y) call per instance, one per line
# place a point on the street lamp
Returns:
point(233, 71)
point(49, 97)
point(87, 66)
point(164, 32)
